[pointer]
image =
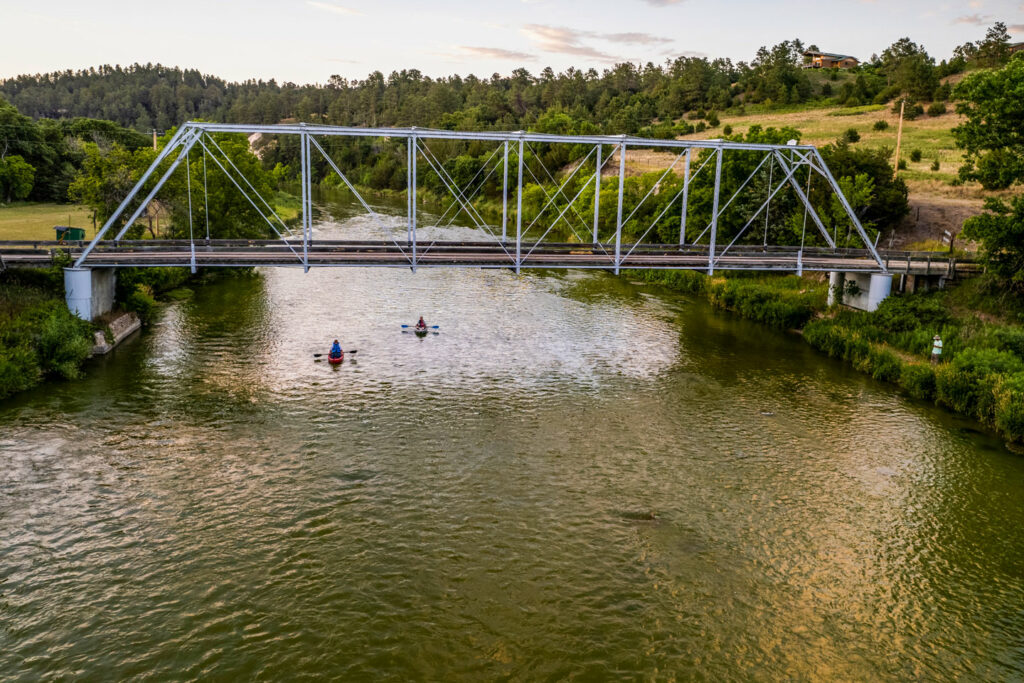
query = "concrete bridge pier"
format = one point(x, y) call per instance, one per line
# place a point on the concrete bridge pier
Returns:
point(89, 292)
point(863, 291)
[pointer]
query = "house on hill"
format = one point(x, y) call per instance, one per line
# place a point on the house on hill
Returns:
point(828, 60)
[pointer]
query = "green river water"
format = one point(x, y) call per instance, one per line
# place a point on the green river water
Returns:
point(577, 477)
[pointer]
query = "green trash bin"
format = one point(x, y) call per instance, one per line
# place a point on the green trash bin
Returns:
point(69, 234)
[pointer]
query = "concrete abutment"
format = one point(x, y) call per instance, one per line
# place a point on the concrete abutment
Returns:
point(863, 291)
point(89, 292)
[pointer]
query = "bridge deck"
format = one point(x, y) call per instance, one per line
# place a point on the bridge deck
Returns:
point(239, 253)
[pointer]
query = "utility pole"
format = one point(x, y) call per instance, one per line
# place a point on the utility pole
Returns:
point(154, 138)
point(899, 138)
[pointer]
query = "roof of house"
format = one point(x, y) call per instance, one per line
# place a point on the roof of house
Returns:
point(830, 55)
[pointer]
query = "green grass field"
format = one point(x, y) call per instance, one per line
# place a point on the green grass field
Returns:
point(23, 221)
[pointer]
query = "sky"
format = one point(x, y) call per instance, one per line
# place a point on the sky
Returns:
point(307, 41)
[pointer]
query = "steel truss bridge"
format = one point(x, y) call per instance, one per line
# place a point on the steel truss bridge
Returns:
point(519, 240)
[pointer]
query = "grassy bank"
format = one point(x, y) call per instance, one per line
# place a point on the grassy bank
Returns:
point(39, 337)
point(25, 221)
point(982, 370)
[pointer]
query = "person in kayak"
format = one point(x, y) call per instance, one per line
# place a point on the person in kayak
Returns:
point(421, 325)
point(335, 350)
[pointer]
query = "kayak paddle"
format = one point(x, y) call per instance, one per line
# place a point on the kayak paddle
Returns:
point(318, 355)
point(432, 327)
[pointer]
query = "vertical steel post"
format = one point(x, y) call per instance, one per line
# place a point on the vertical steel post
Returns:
point(618, 216)
point(597, 193)
point(767, 211)
point(304, 177)
point(191, 235)
point(504, 196)
point(714, 213)
point(408, 189)
point(519, 209)
point(206, 199)
point(413, 200)
point(686, 198)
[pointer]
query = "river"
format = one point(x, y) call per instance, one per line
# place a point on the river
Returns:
point(577, 476)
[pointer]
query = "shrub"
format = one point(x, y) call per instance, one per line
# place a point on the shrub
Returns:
point(701, 127)
point(1009, 407)
point(727, 130)
point(918, 380)
point(881, 124)
point(64, 342)
point(937, 109)
point(935, 165)
point(18, 370)
point(915, 155)
point(851, 135)
point(141, 301)
point(967, 383)
point(712, 120)
point(885, 366)
point(902, 165)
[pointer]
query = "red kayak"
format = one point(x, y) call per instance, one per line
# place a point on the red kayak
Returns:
point(336, 360)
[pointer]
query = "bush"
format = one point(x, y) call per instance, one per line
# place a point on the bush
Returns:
point(727, 130)
point(1009, 407)
point(915, 155)
point(141, 301)
point(902, 165)
point(935, 165)
point(885, 366)
point(712, 120)
point(918, 380)
point(967, 383)
point(39, 337)
point(881, 124)
point(701, 127)
point(63, 343)
point(937, 109)
point(851, 135)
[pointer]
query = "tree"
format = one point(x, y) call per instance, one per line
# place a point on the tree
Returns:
point(884, 203)
point(16, 176)
point(107, 177)
point(992, 136)
point(993, 139)
point(994, 50)
point(1001, 232)
point(909, 69)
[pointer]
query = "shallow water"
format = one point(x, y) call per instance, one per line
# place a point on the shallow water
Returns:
point(577, 477)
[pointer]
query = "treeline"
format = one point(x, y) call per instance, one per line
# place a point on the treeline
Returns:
point(40, 159)
point(623, 99)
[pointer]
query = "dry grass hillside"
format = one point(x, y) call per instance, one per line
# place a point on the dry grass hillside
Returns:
point(936, 205)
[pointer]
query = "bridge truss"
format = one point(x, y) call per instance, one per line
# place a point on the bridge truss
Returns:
point(512, 242)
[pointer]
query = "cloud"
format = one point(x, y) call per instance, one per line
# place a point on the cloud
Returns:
point(494, 53)
point(331, 7)
point(1015, 28)
point(631, 38)
point(569, 41)
point(663, 3)
point(564, 41)
point(973, 19)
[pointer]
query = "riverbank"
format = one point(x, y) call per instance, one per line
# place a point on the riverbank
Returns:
point(982, 370)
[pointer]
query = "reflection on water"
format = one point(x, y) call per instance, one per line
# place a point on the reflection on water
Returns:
point(575, 477)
